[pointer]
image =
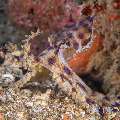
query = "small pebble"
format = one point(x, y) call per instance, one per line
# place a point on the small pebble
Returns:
point(7, 78)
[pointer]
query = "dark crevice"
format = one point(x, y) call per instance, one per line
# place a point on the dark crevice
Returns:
point(31, 11)
point(94, 83)
point(2, 60)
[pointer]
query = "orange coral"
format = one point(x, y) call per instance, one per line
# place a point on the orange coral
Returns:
point(114, 17)
point(80, 61)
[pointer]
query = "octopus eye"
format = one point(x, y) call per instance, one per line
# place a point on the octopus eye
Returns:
point(85, 42)
point(75, 45)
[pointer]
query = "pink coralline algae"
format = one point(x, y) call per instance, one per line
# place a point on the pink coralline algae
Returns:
point(43, 14)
